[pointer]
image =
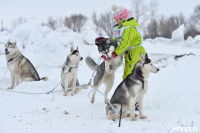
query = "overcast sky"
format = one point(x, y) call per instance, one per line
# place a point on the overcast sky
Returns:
point(41, 9)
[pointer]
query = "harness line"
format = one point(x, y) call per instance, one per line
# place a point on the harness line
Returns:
point(52, 91)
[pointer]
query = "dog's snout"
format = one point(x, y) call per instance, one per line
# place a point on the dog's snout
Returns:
point(6, 50)
point(81, 59)
point(158, 69)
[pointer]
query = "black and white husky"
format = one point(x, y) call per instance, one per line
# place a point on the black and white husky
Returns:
point(105, 72)
point(70, 71)
point(21, 69)
point(131, 90)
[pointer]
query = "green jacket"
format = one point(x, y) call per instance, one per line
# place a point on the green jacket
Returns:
point(130, 37)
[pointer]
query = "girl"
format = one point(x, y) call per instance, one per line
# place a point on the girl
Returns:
point(128, 33)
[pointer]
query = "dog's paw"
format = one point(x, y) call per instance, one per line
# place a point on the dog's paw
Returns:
point(92, 100)
point(10, 88)
point(77, 90)
point(143, 117)
point(129, 115)
point(133, 119)
point(73, 92)
point(136, 115)
point(106, 102)
point(114, 119)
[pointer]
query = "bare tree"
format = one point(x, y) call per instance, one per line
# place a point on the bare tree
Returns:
point(140, 10)
point(163, 28)
point(95, 21)
point(153, 10)
point(68, 23)
point(195, 18)
point(51, 23)
point(2, 26)
point(75, 22)
point(168, 25)
point(193, 25)
point(191, 30)
point(152, 29)
point(104, 23)
point(181, 18)
point(18, 21)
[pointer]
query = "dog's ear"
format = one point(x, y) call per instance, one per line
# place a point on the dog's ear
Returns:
point(108, 41)
point(15, 43)
point(77, 48)
point(8, 41)
point(97, 44)
point(72, 49)
point(146, 56)
point(142, 58)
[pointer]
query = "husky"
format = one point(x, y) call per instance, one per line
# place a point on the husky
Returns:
point(69, 72)
point(105, 72)
point(131, 90)
point(21, 69)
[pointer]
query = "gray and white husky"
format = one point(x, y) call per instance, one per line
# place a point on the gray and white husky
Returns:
point(21, 69)
point(105, 72)
point(131, 90)
point(70, 71)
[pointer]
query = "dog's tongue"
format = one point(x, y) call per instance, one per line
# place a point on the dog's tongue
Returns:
point(6, 53)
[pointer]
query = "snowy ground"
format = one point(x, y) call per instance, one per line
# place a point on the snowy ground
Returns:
point(171, 101)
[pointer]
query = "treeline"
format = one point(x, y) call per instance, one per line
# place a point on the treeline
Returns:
point(147, 15)
point(155, 26)
point(166, 25)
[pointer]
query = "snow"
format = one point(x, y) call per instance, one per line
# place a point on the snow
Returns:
point(178, 34)
point(171, 101)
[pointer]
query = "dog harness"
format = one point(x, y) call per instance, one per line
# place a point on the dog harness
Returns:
point(119, 34)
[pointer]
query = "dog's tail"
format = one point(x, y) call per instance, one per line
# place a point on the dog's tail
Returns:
point(44, 78)
point(111, 114)
point(90, 62)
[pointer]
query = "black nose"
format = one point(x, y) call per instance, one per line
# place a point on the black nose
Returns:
point(158, 69)
point(81, 58)
point(6, 50)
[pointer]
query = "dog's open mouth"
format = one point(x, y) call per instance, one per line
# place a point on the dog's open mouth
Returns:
point(6, 52)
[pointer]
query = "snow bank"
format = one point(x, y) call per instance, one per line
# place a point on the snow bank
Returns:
point(44, 41)
point(178, 34)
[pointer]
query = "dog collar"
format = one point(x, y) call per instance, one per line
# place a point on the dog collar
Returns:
point(139, 78)
point(70, 68)
point(12, 59)
point(105, 58)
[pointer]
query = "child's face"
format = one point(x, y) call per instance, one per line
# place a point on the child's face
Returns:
point(118, 21)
